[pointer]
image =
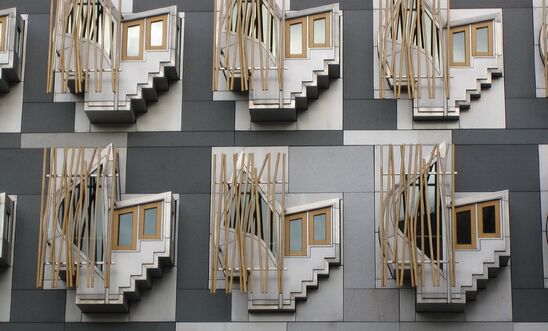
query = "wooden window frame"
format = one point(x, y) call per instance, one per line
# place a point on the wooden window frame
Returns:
point(149, 21)
point(496, 204)
point(142, 209)
point(3, 32)
point(304, 248)
point(116, 224)
point(126, 26)
point(311, 19)
point(311, 214)
point(473, 224)
point(466, 30)
point(481, 25)
point(288, 24)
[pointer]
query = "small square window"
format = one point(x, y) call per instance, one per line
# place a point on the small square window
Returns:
point(464, 227)
point(125, 229)
point(132, 43)
point(156, 33)
point(3, 31)
point(319, 227)
point(460, 46)
point(150, 218)
point(295, 38)
point(482, 39)
point(489, 219)
point(320, 30)
point(295, 235)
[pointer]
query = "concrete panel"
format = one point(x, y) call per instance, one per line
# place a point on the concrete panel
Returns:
point(432, 326)
point(202, 306)
point(36, 62)
point(181, 170)
point(208, 115)
point(500, 137)
point(530, 305)
point(289, 138)
point(119, 326)
point(10, 140)
point(358, 54)
point(182, 5)
point(439, 317)
point(48, 117)
point(326, 302)
point(182, 139)
point(407, 304)
point(272, 317)
point(38, 306)
point(493, 303)
point(346, 326)
point(488, 111)
point(239, 306)
point(166, 113)
point(371, 305)
point(11, 109)
point(198, 55)
point(370, 115)
point(382, 137)
point(158, 303)
point(350, 169)
point(5, 293)
point(325, 113)
point(42, 140)
point(359, 240)
point(105, 317)
point(231, 326)
point(526, 113)
point(72, 312)
point(530, 326)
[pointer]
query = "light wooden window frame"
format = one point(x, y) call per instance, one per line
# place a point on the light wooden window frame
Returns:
point(116, 225)
point(466, 30)
point(481, 25)
point(311, 19)
point(126, 26)
point(480, 206)
point(304, 248)
point(473, 224)
point(311, 214)
point(149, 21)
point(3, 32)
point(159, 213)
point(288, 24)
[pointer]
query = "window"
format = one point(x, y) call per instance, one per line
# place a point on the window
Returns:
point(132, 43)
point(319, 26)
point(295, 38)
point(156, 33)
point(150, 218)
point(482, 39)
point(295, 235)
point(125, 229)
point(464, 227)
point(3, 30)
point(319, 227)
point(489, 219)
point(459, 46)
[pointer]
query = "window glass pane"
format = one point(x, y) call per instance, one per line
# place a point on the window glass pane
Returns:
point(296, 39)
point(107, 32)
point(319, 227)
point(295, 235)
point(157, 33)
point(125, 231)
point(133, 40)
point(489, 219)
point(464, 228)
point(482, 43)
point(150, 221)
point(459, 47)
point(319, 31)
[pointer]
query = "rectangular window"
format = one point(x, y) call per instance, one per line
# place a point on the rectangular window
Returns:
point(125, 229)
point(156, 33)
point(464, 227)
point(319, 26)
point(319, 227)
point(489, 219)
point(132, 43)
point(295, 235)
point(482, 39)
point(460, 46)
point(150, 218)
point(3, 30)
point(295, 38)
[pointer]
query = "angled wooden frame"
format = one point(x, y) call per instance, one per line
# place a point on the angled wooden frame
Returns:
point(466, 30)
point(496, 204)
point(116, 224)
point(473, 224)
point(126, 26)
point(304, 248)
point(311, 19)
point(159, 214)
point(311, 214)
point(288, 24)
point(150, 20)
point(475, 27)
point(3, 32)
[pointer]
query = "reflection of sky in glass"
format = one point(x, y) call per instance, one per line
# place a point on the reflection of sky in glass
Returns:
point(133, 33)
point(125, 229)
point(319, 31)
point(156, 33)
point(295, 235)
point(459, 47)
point(482, 45)
point(319, 227)
point(296, 39)
point(150, 221)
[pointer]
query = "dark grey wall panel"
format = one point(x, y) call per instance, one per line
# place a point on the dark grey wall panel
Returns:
point(344, 4)
point(500, 137)
point(358, 54)
point(48, 117)
point(530, 305)
point(208, 116)
point(288, 138)
point(484, 168)
point(182, 5)
point(491, 4)
point(27, 6)
point(527, 113)
point(202, 306)
point(176, 139)
point(181, 170)
point(193, 247)
point(26, 242)
point(10, 140)
point(370, 115)
point(37, 58)
point(120, 326)
point(38, 306)
point(32, 326)
point(20, 171)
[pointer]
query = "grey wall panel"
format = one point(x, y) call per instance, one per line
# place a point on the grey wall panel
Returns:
point(208, 116)
point(37, 57)
point(491, 4)
point(500, 137)
point(346, 326)
point(177, 169)
point(530, 305)
point(484, 168)
point(48, 117)
point(10, 140)
point(358, 54)
point(26, 242)
point(20, 171)
point(38, 306)
point(202, 306)
point(27, 6)
point(433, 326)
point(344, 4)
point(288, 138)
point(370, 115)
point(526, 113)
point(182, 5)
point(371, 305)
point(180, 139)
point(119, 326)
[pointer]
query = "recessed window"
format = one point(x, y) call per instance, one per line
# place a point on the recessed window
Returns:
point(3, 30)
point(319, 30)
point(464, 227)
point(320, 227)
point(295, 235)
point(489, 219)
point(482, 39)
point(156, 33)
point(460, 41)
point(125, 229)
point(132, 44)
point(150, 218)
point(295, 38)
